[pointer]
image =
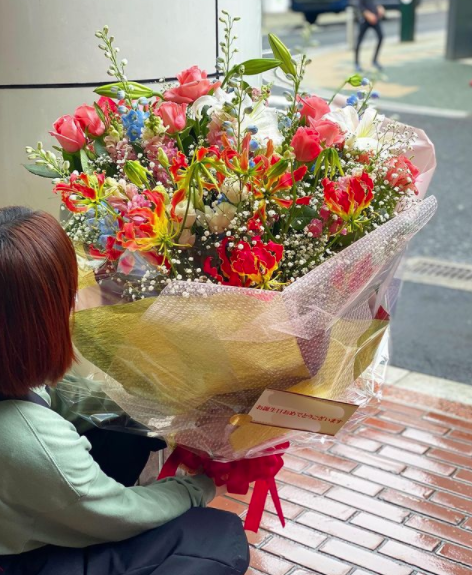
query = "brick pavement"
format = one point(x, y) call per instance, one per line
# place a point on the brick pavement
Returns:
point(392, 498)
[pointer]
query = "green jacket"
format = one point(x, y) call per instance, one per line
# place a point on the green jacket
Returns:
point(53, 492)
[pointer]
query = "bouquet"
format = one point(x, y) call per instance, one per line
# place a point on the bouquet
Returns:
point(236, 260)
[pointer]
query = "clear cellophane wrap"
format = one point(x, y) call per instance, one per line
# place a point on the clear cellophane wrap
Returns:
point(187, 364)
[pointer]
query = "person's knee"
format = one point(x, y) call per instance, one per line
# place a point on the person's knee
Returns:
point(228, 539)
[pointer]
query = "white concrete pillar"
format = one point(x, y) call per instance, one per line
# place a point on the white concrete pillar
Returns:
point(50, 63)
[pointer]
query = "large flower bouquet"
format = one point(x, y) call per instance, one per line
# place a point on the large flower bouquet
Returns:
point(232, 248)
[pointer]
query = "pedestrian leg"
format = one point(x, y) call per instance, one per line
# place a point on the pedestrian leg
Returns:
point(363, 27)
point(378, 30)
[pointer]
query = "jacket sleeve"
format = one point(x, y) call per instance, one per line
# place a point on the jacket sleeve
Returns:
point(85, 505)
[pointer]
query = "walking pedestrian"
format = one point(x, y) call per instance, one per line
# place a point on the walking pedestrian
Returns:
point(69, 503)
point(371, 15)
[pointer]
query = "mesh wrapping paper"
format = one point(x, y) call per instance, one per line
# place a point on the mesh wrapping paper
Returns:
point(189, 363)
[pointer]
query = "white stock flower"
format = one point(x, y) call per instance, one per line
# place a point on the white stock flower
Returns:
point(180, 211)
point(232, 190)
point(362, 134)
point(219, 219)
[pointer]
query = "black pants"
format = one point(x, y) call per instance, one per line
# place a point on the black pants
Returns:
point(363, 27)
point(199, 542)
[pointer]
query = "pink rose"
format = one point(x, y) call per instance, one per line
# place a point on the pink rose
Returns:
point(313, 107)
point(89, 120)
point(306, 144)
point(330, 132)
point(69, 133)
point(193, 84)
point(173, 115)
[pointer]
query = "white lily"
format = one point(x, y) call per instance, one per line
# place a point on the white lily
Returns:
point(362, 134)
point(262, 117)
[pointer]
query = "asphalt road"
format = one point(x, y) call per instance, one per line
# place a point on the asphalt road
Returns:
point(432, 325)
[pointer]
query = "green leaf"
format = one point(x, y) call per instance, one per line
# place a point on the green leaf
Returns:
point(99, 147)
point(42, 171)
point(100, 113)
point(259, 65)
point(302, 217)
point(282, 53)
point(84, 161)
point(277, 169)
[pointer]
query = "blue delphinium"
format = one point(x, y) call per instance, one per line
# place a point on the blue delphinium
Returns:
point(352, 100)
point(133, 123)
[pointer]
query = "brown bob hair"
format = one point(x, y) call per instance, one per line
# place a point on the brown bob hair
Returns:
point(38, 285)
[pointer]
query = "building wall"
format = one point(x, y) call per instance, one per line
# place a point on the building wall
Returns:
point(50, 63)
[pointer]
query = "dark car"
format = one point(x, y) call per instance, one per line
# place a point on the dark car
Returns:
point(313, 8)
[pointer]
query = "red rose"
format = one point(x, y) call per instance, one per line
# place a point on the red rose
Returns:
point(193, 84)
point(89, 120)
point(107, 105)
point(173, 115)
point(306, 144)
point(313, 107)
point(69, 133)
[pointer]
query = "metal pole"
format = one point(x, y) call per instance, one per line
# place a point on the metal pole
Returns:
point(407, 32)
point(350, 27)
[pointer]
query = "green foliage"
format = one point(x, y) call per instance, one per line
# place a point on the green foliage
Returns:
point(42, 171)
point(302, 216)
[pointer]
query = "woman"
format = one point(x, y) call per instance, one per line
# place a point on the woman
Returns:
point(59, 512)
point(371, 15)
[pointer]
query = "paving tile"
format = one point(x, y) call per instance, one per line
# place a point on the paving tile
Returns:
point(290, 510)
point(268, 563)
point(438, 441)
point(295, 463)
point(340, 529)
point(394, 481)
point(452, 501)
point(456, 553)
point(468, 524)
point(362, 558)
point(345, 480)
point(416, 422)
point(453, 422)
point(394, 374)
point(421, 506)
point(293, 531)
point(303, 481)
point(385, 425)
point(367, 504)
point(327, 459)
point(316, 502)
point(227, 504)
point(361, 442)
point(442, 530)
point(387, 405)
point(394, 440)
point(395, 531)
point(422, 559)
point(317, 562)
point(464, 475)
point(417, 460)
point(438, 481)
point(450, 457)
point(368, 458)
point(258, 538)
point(461, 435)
